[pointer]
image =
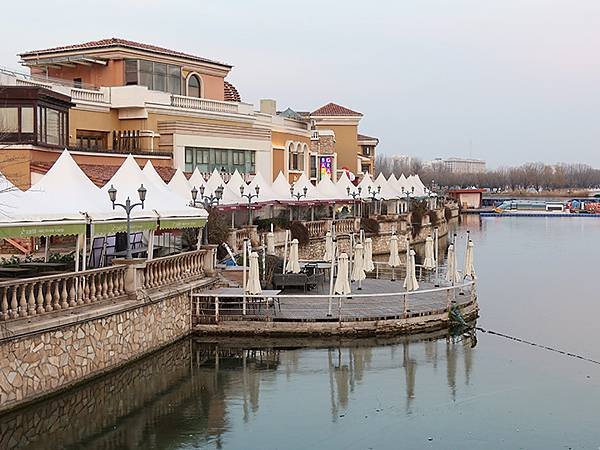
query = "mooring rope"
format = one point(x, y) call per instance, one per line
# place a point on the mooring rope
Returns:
point(545, 347)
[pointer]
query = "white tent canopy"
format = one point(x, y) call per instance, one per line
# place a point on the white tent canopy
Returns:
point(180, 185)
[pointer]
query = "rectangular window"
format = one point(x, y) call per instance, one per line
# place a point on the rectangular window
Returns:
point(77, 82)
point(227, 160)
point(131, 71)
point(52, 127)
point(160, 77)
point(174, 80)
point(146, 77)
point(9, 120)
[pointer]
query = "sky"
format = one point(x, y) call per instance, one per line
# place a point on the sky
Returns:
point(508, 81)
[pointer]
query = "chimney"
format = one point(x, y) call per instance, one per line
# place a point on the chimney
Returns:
point(268, 106)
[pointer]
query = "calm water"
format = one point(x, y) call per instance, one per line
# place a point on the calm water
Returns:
point(538, 280)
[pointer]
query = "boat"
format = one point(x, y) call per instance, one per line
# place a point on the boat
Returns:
point(531, 207)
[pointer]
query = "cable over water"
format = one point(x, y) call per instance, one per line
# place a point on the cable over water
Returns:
point(545, 347)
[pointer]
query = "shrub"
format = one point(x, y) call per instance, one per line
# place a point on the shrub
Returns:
point(433, 218)
point(218, 230)
point(447, 213)
point(370, 225)
point(419, 209)
point(300, 232)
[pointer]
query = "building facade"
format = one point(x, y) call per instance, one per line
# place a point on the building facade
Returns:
point(109, 98)
point(459, 165)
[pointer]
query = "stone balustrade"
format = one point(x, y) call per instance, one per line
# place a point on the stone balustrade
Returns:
point(87, 95)
point(347, 226)
point(318, 228)
point(32, 296)
point(177, 268)
point(204, 104)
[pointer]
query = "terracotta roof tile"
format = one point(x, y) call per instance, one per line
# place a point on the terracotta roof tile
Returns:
point(333, 109)
point(231, 93)
point(101, 174)
point(118, 42)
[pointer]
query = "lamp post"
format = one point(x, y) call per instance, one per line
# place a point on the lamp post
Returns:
point(298, 195)
point(354, 194)
point(208, 201)
point(373, 194)
point(128, 207)
point(250, 196)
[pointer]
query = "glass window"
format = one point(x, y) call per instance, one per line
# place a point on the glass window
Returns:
point(131, 71)
point(189, 160)
point(160, 77)
point(146, 74)
point(52, 127)
point(174, 80)
point(194, 86)
point(9, 120)
point(207, 160)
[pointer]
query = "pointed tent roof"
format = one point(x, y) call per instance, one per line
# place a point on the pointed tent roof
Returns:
point(180, 185)
point(388, 192)
point(364, 184)
point(281, 187)
point(300, 184)
point(343, 183)
point(327, 190)
point(266, 193)
point(150, 172)
point(197, 180)
point(236, 181)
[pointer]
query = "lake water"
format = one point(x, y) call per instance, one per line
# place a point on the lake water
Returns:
point(537, 281)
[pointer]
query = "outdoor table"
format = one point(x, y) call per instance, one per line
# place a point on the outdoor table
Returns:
point(14, 272)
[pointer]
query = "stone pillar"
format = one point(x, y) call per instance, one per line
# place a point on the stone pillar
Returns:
point(210, 259)
point(231, 240)
point(134, 277)
point(253, 234)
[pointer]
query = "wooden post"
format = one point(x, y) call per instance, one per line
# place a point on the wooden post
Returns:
point(46, 248)
point(77, 249)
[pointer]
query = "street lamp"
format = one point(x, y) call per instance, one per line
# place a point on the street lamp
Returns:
point(128, 207)
point(250, 196)
point(354, 194)
point(298, 195)
point(208, 201)
point(373, 194)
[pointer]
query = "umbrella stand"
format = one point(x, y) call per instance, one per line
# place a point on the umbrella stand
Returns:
point(244, 278)
point(331, 270)
point(285, 251)
point(436, 253)
point(264, 257)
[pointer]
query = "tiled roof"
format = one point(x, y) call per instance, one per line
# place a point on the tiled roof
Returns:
point(231, 93)
point(118, 42)
point(101, 174)
point(332, 109)
point(364, 137)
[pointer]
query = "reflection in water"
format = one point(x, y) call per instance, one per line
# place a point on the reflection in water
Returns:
point(193, 394)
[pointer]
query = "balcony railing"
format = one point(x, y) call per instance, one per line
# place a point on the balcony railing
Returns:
point(32, 296)
point(88, 95)
point(181, 101)
point(174, 269)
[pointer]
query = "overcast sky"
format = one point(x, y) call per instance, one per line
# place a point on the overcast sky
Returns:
point(508, 81)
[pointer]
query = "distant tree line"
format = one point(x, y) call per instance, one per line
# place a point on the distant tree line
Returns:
point(532, 175)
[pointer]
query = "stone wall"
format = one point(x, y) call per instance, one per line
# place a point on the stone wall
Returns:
point(35, 365)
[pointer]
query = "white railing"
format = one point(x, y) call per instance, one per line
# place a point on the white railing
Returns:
point(22, 82)
point(318, 228)
point(203, 104)
point(346, 226)
point(173, 269)
point(32, 296)
point(87, 95)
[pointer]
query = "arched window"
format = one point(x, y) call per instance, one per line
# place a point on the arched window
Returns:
point(193, 86)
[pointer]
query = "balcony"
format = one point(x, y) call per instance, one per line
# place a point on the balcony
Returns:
point(204, 104)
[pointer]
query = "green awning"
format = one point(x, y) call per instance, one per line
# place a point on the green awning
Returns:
point(118, 226)
point(182, 223)
point(37, 229)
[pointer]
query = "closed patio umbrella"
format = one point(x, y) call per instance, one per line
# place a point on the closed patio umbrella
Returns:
point(410, 282)
point(469, 257)
point(270, 243)
point(452, 275)
point(253, 285)
point(394, 260)
point(293, 264)
point(342, 285)
point(429, 262)
point(328, 247)
point(368, 266)
point(358, 272)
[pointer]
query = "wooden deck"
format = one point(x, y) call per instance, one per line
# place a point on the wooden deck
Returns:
point(377, 300)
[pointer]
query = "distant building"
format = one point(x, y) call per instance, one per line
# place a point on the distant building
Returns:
point(459, 165)
point(467, 198)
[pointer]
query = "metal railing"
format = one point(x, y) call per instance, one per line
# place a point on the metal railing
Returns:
point(210, 308)
point(32, 296)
